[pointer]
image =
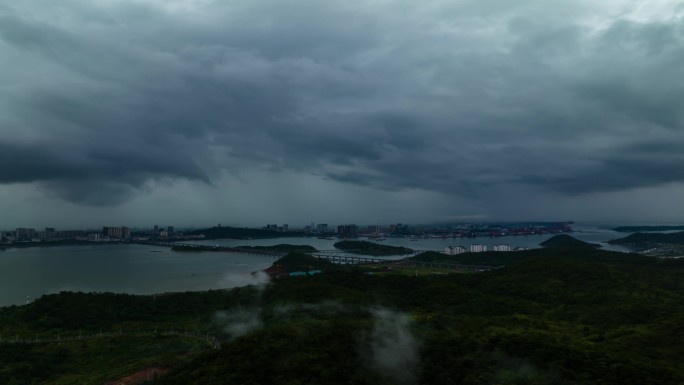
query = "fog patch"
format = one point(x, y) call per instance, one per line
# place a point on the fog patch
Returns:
point(258, 279)
point(394, 348)
point(326, 308)
point(238, 322)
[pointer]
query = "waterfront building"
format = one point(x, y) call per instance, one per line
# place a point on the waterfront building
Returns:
point(454, 250)
point(502, 247)
point(70, 234)
point(350, 229)
point(24, 234)
point(116, 232)
point(478, 248)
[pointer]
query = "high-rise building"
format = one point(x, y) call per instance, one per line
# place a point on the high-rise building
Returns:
point(24, 234)
point(169, 230)
point(478, 248)
point(502, 247)
point(454, 250)
point(350, 229)
point(116, 232)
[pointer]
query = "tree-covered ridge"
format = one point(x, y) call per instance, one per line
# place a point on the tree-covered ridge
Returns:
point(567, 241)
point(283, 247)
point(551, 316)
point(240, 233)
point(641, 239)
point(635, 229)
point(297, 261)
point(488, 258)
point(370, 248)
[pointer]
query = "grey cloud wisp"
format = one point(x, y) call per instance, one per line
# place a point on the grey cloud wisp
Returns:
point(101, 98)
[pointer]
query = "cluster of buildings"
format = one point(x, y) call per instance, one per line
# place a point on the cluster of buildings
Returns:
point(108, 233)
point(283, 229)
point(479, 248)
point(451, 231)
point(49, 234)
point(163, 232)
point(348, 230)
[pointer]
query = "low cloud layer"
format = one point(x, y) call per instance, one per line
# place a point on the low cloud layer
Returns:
point(104, 101)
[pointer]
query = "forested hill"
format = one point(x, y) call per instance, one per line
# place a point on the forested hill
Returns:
point(371, 248)
point(549, 316)
point(241, 233)
point(639, 239)
point(566, 241)
point(635, 229)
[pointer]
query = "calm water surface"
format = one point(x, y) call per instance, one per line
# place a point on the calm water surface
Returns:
point(132, 269)
point(139, 269)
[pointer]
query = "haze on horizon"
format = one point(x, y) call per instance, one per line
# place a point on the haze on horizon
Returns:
point(243, 112)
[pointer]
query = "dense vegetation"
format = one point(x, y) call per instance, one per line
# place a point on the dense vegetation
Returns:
point(488, 258)
point(297, 261)
point(643, 239)
point(283, 247)
point(241, 233)
point(370, 248)
point(566, 241)
point(635, 229)
point(550, 316)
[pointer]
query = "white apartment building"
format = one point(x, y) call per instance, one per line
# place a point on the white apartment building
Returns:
point(478, 248)
point(454, 250)
point(502, 247)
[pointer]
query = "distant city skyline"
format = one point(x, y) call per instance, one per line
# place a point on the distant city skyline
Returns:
point(248, 112)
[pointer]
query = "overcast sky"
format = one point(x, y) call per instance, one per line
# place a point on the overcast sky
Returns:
point(246, 112)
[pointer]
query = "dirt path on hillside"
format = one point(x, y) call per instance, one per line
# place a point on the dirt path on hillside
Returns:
point(139, 377)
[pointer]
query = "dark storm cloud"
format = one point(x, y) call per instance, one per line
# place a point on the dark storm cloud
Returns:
point(98, 100)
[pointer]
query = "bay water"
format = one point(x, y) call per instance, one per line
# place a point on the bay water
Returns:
point(141, 269)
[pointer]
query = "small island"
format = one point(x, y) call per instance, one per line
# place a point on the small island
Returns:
point(284, 247)
point(566, 241)
point(223, 232)
point(370, 248)
point(637, 229)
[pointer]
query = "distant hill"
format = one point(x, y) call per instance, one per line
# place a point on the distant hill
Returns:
point(370, 248)
point(284, 247)
point(566, 241)
point(639, 239)
point(242, 233)
point(298, 261)
point(497, 258)
point(488, 258)
point(636, 229)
